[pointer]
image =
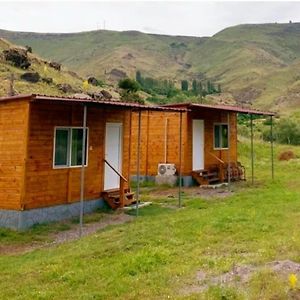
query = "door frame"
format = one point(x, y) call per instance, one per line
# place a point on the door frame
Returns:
point(120, 125)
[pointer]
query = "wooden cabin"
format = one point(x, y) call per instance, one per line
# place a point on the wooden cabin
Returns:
point(208, 142)
point(41, 149)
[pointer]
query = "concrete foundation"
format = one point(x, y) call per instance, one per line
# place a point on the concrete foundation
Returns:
point(186, 180)
point(21, 220)
point(170, 180)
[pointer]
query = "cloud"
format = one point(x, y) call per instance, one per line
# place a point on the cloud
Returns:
point(161, 17)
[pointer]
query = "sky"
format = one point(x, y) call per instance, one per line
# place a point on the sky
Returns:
point(197, 18)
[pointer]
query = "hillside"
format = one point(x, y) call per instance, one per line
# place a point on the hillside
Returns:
point(32, 74)
point(257, 64)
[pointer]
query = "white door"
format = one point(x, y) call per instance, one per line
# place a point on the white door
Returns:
point(113, 154)
point(198, 145)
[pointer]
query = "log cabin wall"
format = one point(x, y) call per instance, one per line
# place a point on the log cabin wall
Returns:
point(47, 186)
point(152, 149)
point(211, 117)
point(153, 139)
point(13, 138)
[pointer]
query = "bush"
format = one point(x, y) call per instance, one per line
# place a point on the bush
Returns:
point(286, 131)
point(129, 85)
point(132, 97)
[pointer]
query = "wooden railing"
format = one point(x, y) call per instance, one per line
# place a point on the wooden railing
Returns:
point(221, 168)
point(217, 158)
point(122, 183)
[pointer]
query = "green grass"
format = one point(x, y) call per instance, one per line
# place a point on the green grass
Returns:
point(157, 255)
point(42, 232)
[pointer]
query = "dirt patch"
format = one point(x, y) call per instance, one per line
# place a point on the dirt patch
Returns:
point(240, 275)
point(191, 192)
point(287, 155)
point(67, 235)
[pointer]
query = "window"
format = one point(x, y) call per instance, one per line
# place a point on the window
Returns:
point(68, 147)
point(221, 136)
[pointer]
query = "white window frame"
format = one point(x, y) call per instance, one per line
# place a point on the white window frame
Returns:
point(228, 136)
point(69, 157)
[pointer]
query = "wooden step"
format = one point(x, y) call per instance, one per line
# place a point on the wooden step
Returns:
point(206, 177)
point(112, 197)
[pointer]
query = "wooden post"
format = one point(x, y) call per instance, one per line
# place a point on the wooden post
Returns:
point(272, 148)
point(252, 150)
point(180, 160)
point(138, 165)
point(122, 192)
point(82, 170)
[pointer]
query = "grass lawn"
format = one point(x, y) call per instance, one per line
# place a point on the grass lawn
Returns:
point(158, 255)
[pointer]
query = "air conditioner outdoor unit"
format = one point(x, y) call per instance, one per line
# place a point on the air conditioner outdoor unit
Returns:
point(166, 169)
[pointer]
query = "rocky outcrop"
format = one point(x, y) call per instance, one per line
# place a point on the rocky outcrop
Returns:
point(33, 77)
point(103, 95)
point(66, 88)
point(18, 57)
point(106, 94)
point(117, 74)
point(55, 65)
point(93, 81)
point(47, 80)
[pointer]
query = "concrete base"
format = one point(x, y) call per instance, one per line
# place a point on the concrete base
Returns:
point(186, 180)
point(170, 180)
point(21, 220)
point(143, 178)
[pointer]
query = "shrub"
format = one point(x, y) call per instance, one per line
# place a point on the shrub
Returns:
point(129, 85)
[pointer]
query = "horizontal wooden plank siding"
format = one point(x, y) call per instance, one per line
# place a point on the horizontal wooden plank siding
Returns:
point(13, 138)
point(46, 186)
point(153, 139)
point(210, 118)
point(153, 124)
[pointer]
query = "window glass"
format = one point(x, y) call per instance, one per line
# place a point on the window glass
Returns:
point(221, 136)
point(217, 136)
point(224, 136)
point(76, 156)
point(61, 147)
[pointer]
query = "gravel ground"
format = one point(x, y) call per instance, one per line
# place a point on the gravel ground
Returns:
point(67, 235)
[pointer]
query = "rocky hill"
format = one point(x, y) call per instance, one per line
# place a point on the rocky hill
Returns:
point(22, 72)
point(256, 64)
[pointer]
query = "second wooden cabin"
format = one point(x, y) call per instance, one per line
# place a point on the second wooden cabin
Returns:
point(208, 142)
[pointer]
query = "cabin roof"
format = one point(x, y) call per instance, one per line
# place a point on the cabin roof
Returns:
point(230, 108)
point(70, 99)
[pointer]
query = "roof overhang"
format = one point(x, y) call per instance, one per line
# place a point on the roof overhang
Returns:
point(228, 108)
point(90, 101)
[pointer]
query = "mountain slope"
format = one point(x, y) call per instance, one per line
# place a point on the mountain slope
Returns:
point(257, 64)
point(38, 75)
point(98, 52)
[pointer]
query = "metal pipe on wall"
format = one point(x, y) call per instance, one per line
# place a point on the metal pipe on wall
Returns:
point(166, 140)
point(82, 169)
point(180, 161)
point(138, 165)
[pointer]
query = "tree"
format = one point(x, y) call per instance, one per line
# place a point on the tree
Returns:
point(195, 87)
point(184, 85)
point(129, 85)
point(200, 89)
point(138, 77)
